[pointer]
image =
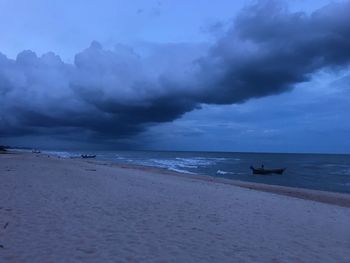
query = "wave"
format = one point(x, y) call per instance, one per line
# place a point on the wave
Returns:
point(180, 171)
point(178, 164)
point(183, 165)
point(121, 158)
point(223, 172)
point(194, 162)
point(62, 154)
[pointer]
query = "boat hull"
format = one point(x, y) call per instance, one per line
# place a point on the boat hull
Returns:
point(261, 171)
point(87, 156)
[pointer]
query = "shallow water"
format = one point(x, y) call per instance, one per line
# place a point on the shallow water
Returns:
point(328, 172)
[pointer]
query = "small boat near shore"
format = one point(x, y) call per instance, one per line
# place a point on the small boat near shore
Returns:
point(86, 156)
point(263, 171)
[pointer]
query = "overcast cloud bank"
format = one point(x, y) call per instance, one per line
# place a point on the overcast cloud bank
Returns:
point(115, 94)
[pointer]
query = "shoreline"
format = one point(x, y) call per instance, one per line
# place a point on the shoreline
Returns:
point(328, 197)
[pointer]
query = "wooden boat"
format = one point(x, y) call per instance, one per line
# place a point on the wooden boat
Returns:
point(263, 171)
point(85, 156)
point(2, 149)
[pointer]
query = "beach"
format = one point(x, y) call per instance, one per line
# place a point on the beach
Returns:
point(72, 210)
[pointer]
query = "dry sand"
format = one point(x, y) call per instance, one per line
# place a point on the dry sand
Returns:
point(62, 210)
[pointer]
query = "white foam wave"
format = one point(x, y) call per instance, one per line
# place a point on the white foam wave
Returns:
point(196, 161)
point(180, 171)
point(183, 165)
point(62, 154)
point(223, 172)
point(121, 158)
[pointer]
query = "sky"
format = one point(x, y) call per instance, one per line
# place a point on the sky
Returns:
point(257, 76)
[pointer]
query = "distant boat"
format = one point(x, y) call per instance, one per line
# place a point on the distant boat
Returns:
point(2, 148)
point(85, 156)
point(36, 151)
point(263, 171)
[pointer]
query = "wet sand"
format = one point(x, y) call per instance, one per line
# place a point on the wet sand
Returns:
point(333, 198)
point(72, 210)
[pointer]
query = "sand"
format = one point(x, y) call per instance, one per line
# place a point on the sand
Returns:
point(64, 210)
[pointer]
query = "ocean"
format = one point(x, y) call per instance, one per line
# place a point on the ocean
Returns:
point(327, 172)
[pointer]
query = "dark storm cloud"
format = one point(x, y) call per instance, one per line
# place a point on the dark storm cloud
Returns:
point(119, 93)
point(268, 50)
point(105, 93)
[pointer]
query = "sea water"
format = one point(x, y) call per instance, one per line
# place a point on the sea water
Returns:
point(328, 172)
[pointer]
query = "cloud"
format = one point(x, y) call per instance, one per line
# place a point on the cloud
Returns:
point(104, 94)
point(268, 50)
point(115, 94)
